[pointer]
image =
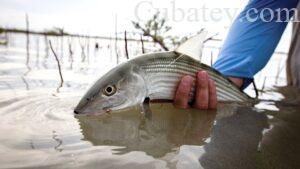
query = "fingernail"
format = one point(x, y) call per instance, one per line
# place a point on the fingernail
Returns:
point(185, 80)
point(202, 75)
point(188, 78)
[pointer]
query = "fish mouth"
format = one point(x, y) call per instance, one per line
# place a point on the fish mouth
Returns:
point(95, 113)
point(79, 109)
point(76, 112)
point(106, 108)
point(84, 111)
point(83, 108)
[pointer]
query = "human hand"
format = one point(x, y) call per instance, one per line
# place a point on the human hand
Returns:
point(205, 92)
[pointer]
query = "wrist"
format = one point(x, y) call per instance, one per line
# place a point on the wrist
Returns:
point(238, 81)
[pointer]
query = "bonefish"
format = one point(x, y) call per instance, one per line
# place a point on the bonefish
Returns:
point(154, 76)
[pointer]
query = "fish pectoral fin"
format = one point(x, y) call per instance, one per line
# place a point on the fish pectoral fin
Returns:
point(193, 46)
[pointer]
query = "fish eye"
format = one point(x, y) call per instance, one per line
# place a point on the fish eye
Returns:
point(109, 90)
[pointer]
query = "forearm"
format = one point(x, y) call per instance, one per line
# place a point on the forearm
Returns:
point(250, 43)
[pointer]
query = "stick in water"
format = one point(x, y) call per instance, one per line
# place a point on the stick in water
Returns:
point(59, 68)
point(126, 45)
point(142, 41)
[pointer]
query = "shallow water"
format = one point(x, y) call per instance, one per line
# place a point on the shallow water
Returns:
point(39, 130)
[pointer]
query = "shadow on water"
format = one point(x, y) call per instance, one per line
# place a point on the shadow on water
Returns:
point(280, 146)
point(235, 140)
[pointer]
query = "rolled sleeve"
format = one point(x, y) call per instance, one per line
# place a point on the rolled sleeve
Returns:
point(250, 44)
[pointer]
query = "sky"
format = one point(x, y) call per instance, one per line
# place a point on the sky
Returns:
point(98, 17)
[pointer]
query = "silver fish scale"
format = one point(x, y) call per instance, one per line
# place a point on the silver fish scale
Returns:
point(164, 73)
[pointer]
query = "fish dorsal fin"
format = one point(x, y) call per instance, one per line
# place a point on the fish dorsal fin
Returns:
point(193, 46)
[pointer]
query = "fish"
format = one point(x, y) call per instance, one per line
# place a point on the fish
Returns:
point(153, 77)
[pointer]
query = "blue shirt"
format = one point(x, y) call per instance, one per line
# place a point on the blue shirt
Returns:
point(253, 37)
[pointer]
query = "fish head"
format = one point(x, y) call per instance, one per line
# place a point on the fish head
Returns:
point(122, 87)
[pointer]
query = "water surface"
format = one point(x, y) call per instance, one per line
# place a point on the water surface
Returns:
point(39, 130)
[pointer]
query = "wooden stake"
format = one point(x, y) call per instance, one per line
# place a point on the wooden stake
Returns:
point(70, 53)
point(116, 39)
point(211, 59)
point(37, 52)
point(59, 68)
point(263, 86)
point(279, 69)
point(88, 49)
point(27, 39)
point(126, 47)
point(142, 41)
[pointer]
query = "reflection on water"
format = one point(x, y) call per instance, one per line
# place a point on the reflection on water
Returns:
point(39, 130)
point(167, 129)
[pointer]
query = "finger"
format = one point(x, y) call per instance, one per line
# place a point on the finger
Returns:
point(212, 94)
point(181, 98)
point(202, 97)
